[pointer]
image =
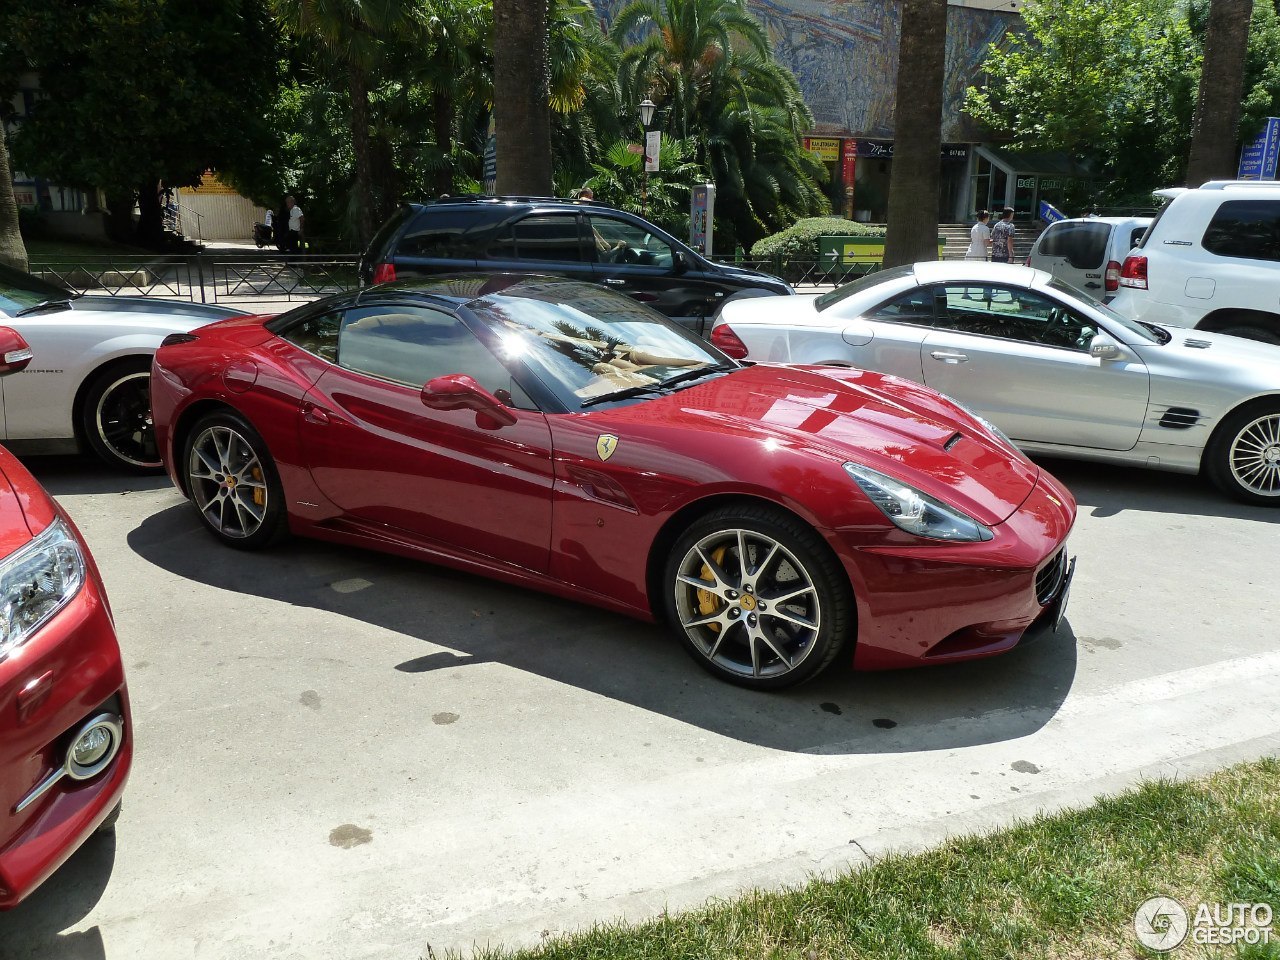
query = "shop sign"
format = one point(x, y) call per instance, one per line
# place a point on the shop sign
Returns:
point(826, 149)
point(849, 160)
point(883, 150)
point(1258, 159)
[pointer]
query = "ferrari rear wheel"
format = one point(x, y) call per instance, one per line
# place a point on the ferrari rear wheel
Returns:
point(116, 416)
point(758, 598)
point(233, 482)
point(1243, 458)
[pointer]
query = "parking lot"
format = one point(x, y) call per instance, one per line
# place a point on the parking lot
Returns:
point(344, 754)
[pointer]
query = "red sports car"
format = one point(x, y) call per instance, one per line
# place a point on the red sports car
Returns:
point(569, 439)
point(65, 742)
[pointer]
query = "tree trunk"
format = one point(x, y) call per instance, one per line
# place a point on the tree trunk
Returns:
point(1214, 151)
point(363, 185)
point(915, 176)
point(13, 253)
point(150, 232)
point(521, 95)
point(442, 123)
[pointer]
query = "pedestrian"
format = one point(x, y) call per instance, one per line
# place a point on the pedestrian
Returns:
point(293, 239)
point(1002, 235)
point(586, 193)
point(979, 238)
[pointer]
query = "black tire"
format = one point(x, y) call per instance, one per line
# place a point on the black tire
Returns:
point(805, 633)
point(116, 416)
point(1263, 334)
point(109, 824)
point(1243, 456)
point(257, 518)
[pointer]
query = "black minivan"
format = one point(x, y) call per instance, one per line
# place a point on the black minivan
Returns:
point(581, 240)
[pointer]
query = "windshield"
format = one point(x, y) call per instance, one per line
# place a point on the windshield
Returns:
point(1129, 326)
point(20, 290)
point(862, 283)
point(587, 344)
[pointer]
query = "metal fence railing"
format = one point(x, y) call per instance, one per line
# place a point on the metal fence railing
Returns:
point(802, 274)
point(213, 277)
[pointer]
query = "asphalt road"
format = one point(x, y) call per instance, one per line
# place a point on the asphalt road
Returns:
point(342, 754)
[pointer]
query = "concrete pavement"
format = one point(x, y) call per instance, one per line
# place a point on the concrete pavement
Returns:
point(347, 755)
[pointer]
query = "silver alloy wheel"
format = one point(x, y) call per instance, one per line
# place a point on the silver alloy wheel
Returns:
point(747, 603)
point(1254, 457)
point(122, 419)
point(227, 482)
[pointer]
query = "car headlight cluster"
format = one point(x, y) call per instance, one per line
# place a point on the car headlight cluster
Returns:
point(36, 582)
point(915, 511)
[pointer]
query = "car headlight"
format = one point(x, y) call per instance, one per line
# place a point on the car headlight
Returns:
point(36, 582)
point(915, 511)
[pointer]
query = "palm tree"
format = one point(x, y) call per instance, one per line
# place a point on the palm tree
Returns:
point(521, 97)
point(353, 35)
point(1217, 116)
point(12, 251)
point(912, 232)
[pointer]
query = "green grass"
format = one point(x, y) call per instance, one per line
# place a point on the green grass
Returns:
point(1061, 886)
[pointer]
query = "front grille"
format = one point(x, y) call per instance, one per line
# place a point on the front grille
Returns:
point(1049, 579)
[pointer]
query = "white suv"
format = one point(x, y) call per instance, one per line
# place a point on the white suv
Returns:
point(1211, 260)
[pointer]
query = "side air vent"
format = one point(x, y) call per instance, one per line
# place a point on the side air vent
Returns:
point(1180, 418)
point(1049, 578)
point(1198, 344)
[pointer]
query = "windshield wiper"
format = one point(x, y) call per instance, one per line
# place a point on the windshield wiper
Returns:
point(63, 303)
point(647, 389)
point(697, 373)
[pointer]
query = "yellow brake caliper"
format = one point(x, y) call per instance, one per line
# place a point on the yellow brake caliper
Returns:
point(708, 602)
point(260, 493)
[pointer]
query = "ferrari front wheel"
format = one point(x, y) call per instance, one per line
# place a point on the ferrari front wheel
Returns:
point(757, 597)
point(233, 482)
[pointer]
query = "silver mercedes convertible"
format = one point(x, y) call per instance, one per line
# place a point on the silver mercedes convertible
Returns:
point(1056, 370)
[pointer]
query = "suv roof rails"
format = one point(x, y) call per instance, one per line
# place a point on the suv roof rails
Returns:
point(483, 197)
point(1233, 184)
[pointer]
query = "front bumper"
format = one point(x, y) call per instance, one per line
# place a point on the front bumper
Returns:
point(69, 672)
point(944, 603)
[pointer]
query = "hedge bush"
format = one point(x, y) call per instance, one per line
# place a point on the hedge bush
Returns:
point(800, 240)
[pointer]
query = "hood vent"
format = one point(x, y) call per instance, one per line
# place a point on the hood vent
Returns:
point(955, 438)
point(1180, 418)
point(1198, 344)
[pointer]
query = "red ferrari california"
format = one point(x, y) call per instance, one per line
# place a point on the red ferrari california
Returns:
point(566, 438)
point(65, 742)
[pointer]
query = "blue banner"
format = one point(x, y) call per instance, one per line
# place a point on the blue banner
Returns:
point(1049, 213)
point(1258, 159)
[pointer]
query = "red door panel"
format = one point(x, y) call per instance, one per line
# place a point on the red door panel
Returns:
point(383, 457)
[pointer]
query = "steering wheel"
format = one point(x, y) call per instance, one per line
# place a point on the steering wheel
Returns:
point(628, 255)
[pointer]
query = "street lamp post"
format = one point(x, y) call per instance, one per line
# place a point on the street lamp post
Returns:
point(646, 109)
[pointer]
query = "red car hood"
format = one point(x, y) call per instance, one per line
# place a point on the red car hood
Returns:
point(25, 509)
point(900, 428)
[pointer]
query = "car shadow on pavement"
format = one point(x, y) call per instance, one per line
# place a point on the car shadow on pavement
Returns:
point(1105, 490)
point(481, 621)
point(60, 902)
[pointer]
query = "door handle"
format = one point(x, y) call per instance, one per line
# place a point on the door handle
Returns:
point(313, 414)
point(949, 356)
point(613, 281)
point(1093, 286)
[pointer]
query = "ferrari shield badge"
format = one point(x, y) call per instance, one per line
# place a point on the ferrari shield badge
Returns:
point(606, 443)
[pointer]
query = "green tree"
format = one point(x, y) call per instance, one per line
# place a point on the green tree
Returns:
point(12, 251)
point(912, 230)
point(136, 93)
point(522, 97)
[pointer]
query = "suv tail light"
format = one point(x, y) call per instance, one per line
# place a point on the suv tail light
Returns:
point(728, 342)
point(384, 273)
point(1112, 282)
point(1133, 273)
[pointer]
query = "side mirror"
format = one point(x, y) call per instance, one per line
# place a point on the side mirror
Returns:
point(457, 391)
point(1102, 347)
point(15, 355)
point(679, 263)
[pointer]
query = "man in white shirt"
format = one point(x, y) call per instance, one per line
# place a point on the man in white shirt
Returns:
point(979, 238)
point(294, 239)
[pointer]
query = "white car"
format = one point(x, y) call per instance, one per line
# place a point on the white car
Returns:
point(1211, 261)
point(89, 387)
point(1088, 252)
point(1057, 371)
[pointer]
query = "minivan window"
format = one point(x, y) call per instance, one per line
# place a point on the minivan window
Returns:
point(1083, 244)
point(1245, 228)
point(385, 232)
point(437, 233)
point(543, 236)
